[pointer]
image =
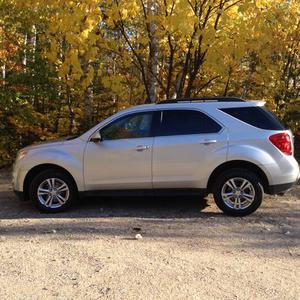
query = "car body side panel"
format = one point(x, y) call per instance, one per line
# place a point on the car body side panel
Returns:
point(184, 161)
point(68, 155)
point(118, 164)
point(255, 147)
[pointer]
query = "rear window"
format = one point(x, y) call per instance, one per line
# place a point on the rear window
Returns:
point(259, 117)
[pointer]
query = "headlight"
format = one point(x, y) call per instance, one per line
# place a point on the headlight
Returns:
point(22, 153)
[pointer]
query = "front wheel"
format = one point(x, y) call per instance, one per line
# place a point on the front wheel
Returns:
point(52, 191)
point(238, 192)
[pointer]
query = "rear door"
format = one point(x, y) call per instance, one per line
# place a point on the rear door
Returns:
point(188, 145)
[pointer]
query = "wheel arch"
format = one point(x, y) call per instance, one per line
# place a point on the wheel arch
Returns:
point(238, 164)
point(38, 169)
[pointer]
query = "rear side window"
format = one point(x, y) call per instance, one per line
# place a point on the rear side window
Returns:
point(259, 117)
point(182, 122)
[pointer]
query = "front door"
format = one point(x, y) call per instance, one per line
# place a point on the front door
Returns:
point(122, 159)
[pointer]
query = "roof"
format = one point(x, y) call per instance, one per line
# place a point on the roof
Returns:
point(197, 104)
point(203, 99)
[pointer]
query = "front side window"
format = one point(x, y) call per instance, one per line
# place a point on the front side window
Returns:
point(128, 127)
point(183, 122)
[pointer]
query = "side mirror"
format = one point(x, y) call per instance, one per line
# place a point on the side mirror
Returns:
point(96, 137)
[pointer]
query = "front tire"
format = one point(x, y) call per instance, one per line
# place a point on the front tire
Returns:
point(53, 191)
point(238, 192)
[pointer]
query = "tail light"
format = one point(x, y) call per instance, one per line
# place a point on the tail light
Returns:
point(283, 142)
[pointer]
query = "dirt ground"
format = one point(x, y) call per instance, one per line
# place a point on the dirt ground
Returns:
point(189, 250)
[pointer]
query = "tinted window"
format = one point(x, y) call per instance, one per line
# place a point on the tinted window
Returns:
point(128, 127)
point(179, 122)
point(255, 116)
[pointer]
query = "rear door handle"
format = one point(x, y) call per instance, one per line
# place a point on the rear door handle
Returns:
point(208, 142)
point(142, 148)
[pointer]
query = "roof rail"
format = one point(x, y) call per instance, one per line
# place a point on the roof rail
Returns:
point(203, 99)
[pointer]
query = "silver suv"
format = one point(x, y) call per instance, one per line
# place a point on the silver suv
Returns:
point(232, 148)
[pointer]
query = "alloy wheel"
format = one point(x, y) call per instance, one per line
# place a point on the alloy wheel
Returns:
point(238, 193)
point(53, 193)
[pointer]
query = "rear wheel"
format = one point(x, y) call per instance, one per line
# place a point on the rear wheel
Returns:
point(52, 191)
point(238, 192)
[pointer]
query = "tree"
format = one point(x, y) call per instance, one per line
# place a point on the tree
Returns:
point(65, 65)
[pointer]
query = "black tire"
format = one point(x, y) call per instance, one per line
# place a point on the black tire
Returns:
point(243, 174)
point(61, 177)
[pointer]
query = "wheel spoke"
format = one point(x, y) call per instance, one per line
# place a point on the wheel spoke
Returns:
point(49, 182)
point(53, 182)
point(244, 184)
point(227, 196)
point(248, 196)
point(49, 201)
point(43, 191)
point(61, 199)
point(231, 184)
point(237, 203)
point(248, 186)
point(62, 188)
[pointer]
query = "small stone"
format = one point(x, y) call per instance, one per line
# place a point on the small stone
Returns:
point(50, 231)
point(287, 233)
point(138, 237)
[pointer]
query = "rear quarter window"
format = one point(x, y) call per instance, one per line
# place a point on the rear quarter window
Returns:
point(256, 116)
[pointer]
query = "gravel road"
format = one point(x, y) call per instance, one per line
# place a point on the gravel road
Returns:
point(188, 250)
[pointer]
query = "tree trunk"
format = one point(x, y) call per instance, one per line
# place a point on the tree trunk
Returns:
point(88, 103)
point(251, 71)
point(153, 51)
point(71, 112)
point(227, 82)
point(4, 73)
point(88, 98)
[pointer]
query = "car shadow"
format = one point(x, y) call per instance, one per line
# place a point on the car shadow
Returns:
point(96, 207)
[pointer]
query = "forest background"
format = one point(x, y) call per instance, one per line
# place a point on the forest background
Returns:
point(67, 65)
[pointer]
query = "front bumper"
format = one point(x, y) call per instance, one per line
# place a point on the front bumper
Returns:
point(20, 195)
point(18, 176)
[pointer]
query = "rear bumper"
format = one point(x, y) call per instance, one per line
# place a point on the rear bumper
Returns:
point(280, 188)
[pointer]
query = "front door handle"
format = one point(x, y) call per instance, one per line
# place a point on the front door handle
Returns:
point(207, 142)
point(142, 148)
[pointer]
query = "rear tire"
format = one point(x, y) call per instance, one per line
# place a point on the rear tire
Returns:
point(238, 192)
point(53, 191)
